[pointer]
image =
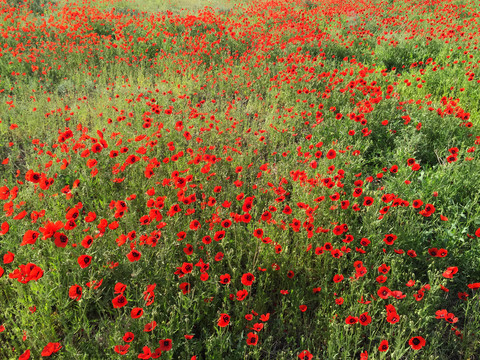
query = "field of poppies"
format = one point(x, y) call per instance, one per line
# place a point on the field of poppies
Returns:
point(240, 180)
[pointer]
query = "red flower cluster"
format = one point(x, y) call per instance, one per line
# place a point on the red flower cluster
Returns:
point(26, 273)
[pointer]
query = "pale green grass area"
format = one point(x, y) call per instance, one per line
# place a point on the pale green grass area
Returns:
point(175, 6)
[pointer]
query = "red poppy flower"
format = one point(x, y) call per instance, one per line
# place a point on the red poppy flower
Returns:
point(441, 314)
point(96, 148)
point(390, 309)
point(357, 192)
point(8, 257)
point(187, 268)
point(450, 318)
point(219, 235)
point(247, 205)
point(448, 274)
point(146, 353)
point(287, 210)
point(72, 214)
point(87, 241)
point(384, 269)
point(226, 224)
point(30, 237)
point(156, 354)
point(331, 154)
point(419, 295)
point(25, 355)
point(410, 283)
point(119, 301)
point(433, 252)
point(128, 337)
point(225, 279)
point(412, 253)
point(429, 208)
point(75, 292)
point(266, 216)
point(51, 348)
point(350, 320)
point(442, 252)
point(61, 240)
point(246, 218)
point(136, 313)
point(242, 294)
point(265, 317)
point(417, 342)
point(365, 319)
point(338, 230)
point(188, 249)
point(381, 279)
point(258, 327)
point(145, 220)
point(26, 273)
point(4, 229)
point(84, 261)
point(384, 292)
point(303, 308)
point(305, 355)
point(258, 233)
point(337, 278)
point(185, 287)
point(389, 239)
point(119, 288)
point(360, 271)
point(224, 320)
point(4, 193)
point(90, 217)
point(165, 344)
point(474, 286)
point(364, 242)
point(121, 349)
point(252, 339)
point(417, 203)
point(150, 326)
point(368, 201)
point(32, 176)
point(70, 224)
point(206, 239)
point(132, 159)
point(248, 279)
point(393, 318)
point(336, 253)
point(195, 225)
point(383, 346)
point(134, 255)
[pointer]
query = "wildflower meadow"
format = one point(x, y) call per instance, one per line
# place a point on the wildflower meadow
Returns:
point(206, 179)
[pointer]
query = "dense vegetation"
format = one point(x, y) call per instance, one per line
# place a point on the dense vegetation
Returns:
point(260, 180)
